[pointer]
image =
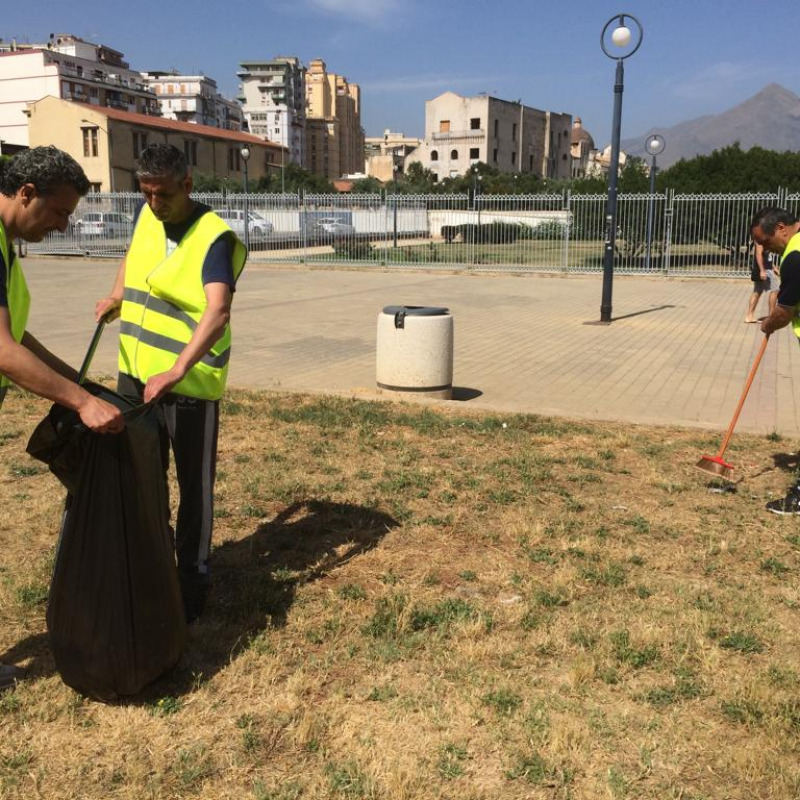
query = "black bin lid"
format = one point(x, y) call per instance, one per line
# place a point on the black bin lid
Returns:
point(416, 311)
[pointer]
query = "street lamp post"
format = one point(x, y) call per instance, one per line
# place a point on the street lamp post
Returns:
point(476, 189)
point(654, 145)
point(626, 43)
point(245, 153)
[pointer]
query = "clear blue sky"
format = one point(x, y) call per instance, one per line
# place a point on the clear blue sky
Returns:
point(697, 57)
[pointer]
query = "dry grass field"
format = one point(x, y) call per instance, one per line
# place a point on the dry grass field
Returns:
point(416, 603)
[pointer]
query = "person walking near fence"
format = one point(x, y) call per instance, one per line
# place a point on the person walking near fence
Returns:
point(765, 279)
point(39, 190)
point(778, 231)
point(173, 293)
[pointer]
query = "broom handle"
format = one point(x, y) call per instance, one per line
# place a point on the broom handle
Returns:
point(746, 389)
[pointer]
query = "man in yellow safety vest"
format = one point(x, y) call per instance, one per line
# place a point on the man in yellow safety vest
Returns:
point(39, 190)
point(173, 294)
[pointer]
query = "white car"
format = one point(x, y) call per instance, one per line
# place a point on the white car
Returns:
point(332, 226)
point(258, 227)
point(104, 223)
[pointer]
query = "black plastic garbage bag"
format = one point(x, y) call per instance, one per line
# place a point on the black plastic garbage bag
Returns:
point(115, 615)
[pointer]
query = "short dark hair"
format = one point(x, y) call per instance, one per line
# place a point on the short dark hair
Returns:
point(769, 217)
point(160, 160)
point(46, 168)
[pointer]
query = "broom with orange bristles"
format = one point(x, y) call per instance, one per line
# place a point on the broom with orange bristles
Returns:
point(715, 465)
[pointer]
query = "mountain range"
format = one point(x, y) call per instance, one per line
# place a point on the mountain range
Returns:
point(769, 119)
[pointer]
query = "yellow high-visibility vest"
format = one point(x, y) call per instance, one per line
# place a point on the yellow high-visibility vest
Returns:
point(792, 246)
point(19, 299)
point(164, 300)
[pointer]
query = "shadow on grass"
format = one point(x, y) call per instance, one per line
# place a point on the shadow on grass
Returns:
point(255, 582)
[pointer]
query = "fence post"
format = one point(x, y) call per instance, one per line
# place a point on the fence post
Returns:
point(669, 202)
point(566, 205)
point(301, 204)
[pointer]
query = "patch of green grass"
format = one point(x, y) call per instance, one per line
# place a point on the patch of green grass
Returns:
point(550, 599)
point(741, 641)
point(25, 470)
point(626, 653)
point(468, 575)
point(380, 694)
point(451, 758)
point(742, 711)
point(32, 594)
point(613, 575)
point(775, 567)
point(348, 779)
point(193, 766)
point(166, 706)
point(503, 701)
point(532, 768)
point(352, 591)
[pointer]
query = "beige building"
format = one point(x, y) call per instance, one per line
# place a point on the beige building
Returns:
point(582, 149)
point(512, 137)
point(72, 69)
point(106, 143)
point(384, 156)
point(334, 141)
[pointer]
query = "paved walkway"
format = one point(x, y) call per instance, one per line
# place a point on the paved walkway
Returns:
point(677, 351)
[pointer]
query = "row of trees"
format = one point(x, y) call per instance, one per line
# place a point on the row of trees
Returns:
point(725, 171)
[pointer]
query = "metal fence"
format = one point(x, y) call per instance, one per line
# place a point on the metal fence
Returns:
point(667, 234)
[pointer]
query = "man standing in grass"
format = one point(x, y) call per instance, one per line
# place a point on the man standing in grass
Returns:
point(778, 231)
point(39, 190)
point(173, 293)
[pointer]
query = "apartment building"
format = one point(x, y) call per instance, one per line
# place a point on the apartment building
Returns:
point(334, 142)
point(384, 156)
point(461, 131)
point(106, 142)
point(272, 94)
point(68, 68)
point(193, 98)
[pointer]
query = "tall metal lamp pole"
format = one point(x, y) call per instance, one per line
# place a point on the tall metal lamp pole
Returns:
point(245, 152)
point(626, 42)
point(654, 145)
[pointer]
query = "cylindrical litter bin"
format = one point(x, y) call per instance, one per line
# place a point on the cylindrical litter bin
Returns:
point(415, 351)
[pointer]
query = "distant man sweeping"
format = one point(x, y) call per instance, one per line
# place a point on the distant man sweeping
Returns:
point(778, 231)
point(39, 190)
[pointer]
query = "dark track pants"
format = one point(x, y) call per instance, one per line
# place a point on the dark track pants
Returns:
point(191, 429)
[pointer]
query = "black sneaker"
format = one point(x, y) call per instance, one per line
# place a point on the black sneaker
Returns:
point(788, 506)
point(194, 590)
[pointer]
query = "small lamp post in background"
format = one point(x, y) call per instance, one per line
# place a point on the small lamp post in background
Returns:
point(626, 42)
point(654, 145)
point(477, 178)
point(245, 153)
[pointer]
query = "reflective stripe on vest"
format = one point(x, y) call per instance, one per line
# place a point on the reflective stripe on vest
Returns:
point(163, 302)
point(19, 300)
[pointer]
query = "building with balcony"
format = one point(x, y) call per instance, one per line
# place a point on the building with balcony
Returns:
point(512, 137)
point(334, 136)
point(68, 68)
point(272, 94)
point(193, 98)
point(386, 155)
point(106, 142)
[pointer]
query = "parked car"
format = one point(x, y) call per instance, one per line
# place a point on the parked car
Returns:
point(331, 227)
point(258, 227)
point(110, 224)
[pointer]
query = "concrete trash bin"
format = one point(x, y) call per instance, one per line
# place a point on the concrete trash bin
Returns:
point(415, 351)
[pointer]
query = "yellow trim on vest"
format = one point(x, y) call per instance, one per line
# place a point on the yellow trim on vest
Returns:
point(793, 246)
point(19, 299)
point(164, 300)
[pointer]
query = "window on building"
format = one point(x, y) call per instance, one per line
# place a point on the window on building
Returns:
point(454, 155)
point(494, 155)
point(514, 158)
point(530, 165)
point(139, 143)
point(496, 128)
point(474, 152)
point(190, 151)
point(444, 126)
point(434, 155)
point(89, 142)
point(475, 123)
point(95, 187)
point(514, 131)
